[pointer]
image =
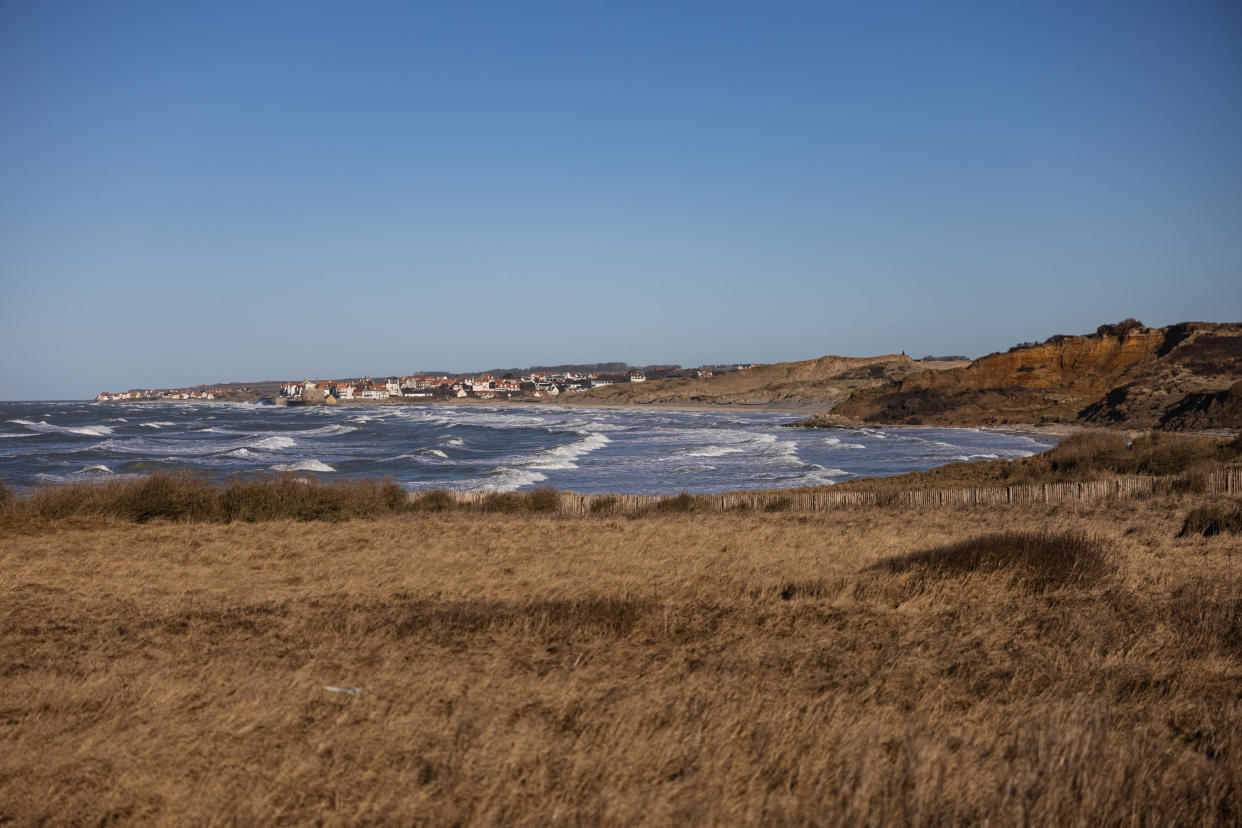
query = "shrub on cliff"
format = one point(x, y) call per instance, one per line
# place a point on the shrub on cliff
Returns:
point(1121, 329)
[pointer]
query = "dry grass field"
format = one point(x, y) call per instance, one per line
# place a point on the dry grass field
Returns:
point(1050, 665)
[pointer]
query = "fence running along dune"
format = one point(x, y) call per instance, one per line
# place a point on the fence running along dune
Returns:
point(1219, 482)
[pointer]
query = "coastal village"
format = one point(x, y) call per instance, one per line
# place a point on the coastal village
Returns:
point(172, 394)
point(535, 385)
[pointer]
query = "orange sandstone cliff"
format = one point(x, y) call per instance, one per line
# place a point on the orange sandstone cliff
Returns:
point(1182, 376)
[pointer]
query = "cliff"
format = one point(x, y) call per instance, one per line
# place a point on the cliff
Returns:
point(1178, 377)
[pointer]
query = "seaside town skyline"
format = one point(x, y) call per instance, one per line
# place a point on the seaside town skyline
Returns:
point(480, 385)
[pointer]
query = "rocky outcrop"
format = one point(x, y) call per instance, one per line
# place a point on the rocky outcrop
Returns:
point(1177, 377)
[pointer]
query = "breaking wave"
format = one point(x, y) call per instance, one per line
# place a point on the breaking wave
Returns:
point(714, 451)
point(275, 443)
point(303, 465)
point(504, 479)
point(49, 428)
point(564, 457)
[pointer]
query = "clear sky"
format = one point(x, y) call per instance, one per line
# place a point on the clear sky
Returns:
point(215, 191)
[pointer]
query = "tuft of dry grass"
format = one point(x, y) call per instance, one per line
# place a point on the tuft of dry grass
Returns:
point(543, 499)
point(433, 500)
point(1212, 520)
point(678, 504)
point(751, 669)
point(603, 505)
point(1040, 560)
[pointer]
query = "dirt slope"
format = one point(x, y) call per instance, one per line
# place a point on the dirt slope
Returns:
point(826, 379)
point(1128, 375)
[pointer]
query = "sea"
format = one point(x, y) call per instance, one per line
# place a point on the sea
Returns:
point(473, 447)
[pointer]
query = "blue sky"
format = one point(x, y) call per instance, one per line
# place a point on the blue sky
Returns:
point(228, 191)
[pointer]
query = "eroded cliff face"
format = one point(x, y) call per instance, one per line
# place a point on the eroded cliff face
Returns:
point(1192, 384)
point(1080, 365)
point(1122, 375)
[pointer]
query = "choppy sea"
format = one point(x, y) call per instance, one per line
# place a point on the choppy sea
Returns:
point(501, 448)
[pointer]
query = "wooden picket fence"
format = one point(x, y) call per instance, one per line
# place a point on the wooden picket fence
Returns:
point(1226, 481)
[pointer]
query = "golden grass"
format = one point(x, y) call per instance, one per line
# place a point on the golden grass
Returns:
point(528, 669)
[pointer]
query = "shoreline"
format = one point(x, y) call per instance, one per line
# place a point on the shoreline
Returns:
point(789, 407)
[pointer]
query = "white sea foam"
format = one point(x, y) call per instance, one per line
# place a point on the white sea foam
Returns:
point(713, 451)
point(436, 452)
point(274, 443)
point(160, 424)
point(822, 477)
point(241, 452)
point(495, 419)
point(303, 465)
point(91, 431)
point(96, 468)
point(505, 479)
point(334, 428)
point(49, 428)
point(782, 452)
point(454, 441)
point(564, 457)
point(835, 442)
point(966, 458)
